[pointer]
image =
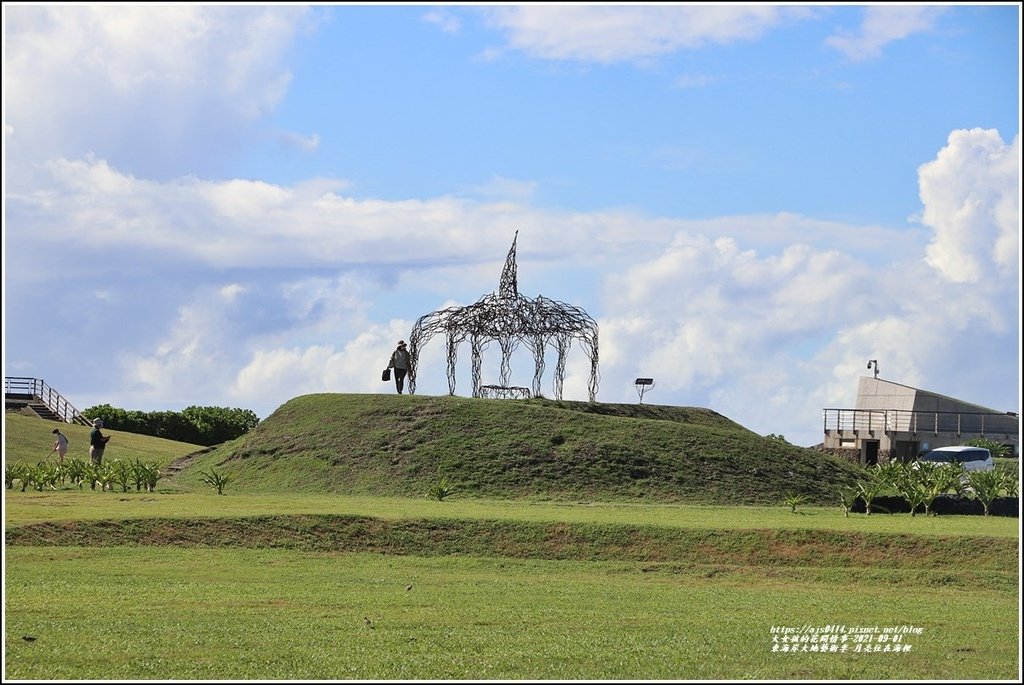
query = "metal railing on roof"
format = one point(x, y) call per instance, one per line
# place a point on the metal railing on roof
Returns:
point(916, 422)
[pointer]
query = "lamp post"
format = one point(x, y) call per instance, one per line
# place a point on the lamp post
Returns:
point(873, 362)
point(642, 386)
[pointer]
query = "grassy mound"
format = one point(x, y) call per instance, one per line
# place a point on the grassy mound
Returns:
point(28, 439)
point(401, 445)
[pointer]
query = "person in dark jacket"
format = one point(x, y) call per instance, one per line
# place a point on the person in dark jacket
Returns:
point(400, 363)
point(97, 442)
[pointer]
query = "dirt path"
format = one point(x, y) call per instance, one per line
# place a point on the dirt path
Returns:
point(182, 462)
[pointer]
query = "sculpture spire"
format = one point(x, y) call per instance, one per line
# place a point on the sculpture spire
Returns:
point(509, 287)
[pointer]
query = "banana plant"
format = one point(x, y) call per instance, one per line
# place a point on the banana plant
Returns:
point(120, 474)
point(43, 476)
point(217, 480)
point(986, 486)
point(793, 501)
point(1011, 480)
point(11, 474)
point(77, 471)
point(441, 489)
point(145, 475)
point(879, 479)
point(103, 475)
point(910, 483)
point(18, 472)
point(847, 497)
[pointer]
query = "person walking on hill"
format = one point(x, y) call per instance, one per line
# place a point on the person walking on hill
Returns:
point(97, 442)
point(400, 363)
point(60, 444)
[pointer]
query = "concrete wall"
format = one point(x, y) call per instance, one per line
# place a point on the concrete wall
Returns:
point(874, 393)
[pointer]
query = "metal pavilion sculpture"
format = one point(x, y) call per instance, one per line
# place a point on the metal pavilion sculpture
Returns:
point(510, 319)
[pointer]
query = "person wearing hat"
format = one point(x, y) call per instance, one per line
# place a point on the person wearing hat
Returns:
point(60, 444)
point(97, 442)
point(400, 363)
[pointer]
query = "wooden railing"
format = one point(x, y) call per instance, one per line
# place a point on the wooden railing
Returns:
point(37, 389)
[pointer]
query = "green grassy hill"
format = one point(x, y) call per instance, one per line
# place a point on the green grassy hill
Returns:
point(400, 445)
point(28, 439)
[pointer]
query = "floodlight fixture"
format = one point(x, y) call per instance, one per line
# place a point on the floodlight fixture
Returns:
point(642, 386)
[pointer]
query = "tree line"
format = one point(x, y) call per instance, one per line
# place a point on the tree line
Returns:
point(196, 425)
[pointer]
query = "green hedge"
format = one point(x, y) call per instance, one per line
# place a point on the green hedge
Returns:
point(197, 425)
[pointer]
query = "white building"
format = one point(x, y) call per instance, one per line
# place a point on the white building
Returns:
point(893, 421)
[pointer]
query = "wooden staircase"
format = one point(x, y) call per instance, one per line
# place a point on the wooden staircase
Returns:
point(34, 394)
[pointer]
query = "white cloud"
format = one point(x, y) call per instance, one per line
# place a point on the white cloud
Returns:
point(882, 25)
point(297, 141)
point(707, 309)
point(767, 317)
point(444, 20)
point(230, 293)
point(614, 33)
point(500, 187)
point(253, 344)
point(141, 86)
point(241, 223)
point(971, 198)
point(693, 81)
point(90, 206)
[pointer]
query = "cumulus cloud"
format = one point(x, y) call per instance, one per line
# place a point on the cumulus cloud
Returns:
point(296, 141)
point(615, 33)
point(761, 317)
point(971, 198)
point(708, 308)
point(237, 341)
point(88, 204)
point(141, 83)
point(91, 206)
point(278, 374)
point(445, 20)
point(693, 81)
point(882, 25)
point(500, 187)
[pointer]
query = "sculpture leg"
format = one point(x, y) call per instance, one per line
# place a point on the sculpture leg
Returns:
point(453, 350)
point(592, 352)
point(538, 364)
point(476, 348)
point(562, 345)
point(507, 347)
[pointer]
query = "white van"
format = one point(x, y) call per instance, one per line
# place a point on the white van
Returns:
point(972, 458)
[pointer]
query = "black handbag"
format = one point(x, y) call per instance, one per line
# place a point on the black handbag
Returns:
point(385, 375)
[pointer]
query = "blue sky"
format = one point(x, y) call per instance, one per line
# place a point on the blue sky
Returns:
point(235, 205)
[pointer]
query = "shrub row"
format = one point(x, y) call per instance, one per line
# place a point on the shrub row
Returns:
point(195, 425)
point(923, 487)
point(943, 504)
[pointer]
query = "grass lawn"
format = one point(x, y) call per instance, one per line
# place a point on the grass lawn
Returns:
point(34, 507)
point(169, 613)
point(216, 612)
point(328, 566)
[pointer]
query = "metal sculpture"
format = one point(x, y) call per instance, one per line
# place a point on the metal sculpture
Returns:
point(510, 319)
